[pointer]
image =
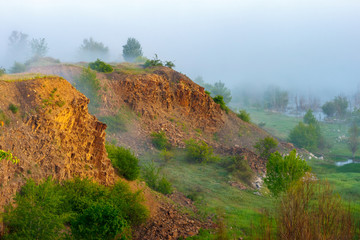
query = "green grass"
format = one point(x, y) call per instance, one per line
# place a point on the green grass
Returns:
point(132, 69)
point(241, 208)
point(277, 124)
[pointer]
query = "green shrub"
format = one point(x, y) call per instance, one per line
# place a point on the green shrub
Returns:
point(99, 221)
point(154, 180)
point(169, 64)
point(281, 171)
point(220, 100)
point(243, 115)
point(124, 161)
point(37, 214)
point(8, 156)
point(306, 136)
point(13, 108)
point(101, 66)
point(159, 140)
point(266, 146)
point(153, 62)
point(92, 211)
point(240, 168)
point(198, 151)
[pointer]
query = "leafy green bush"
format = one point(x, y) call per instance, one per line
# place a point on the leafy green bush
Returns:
point(281, 171)
point(37, 214)
point(220, 100)
point(169, 64)
point(8, 156)
point(124, 161)
point(154, 180)
point(155, 62)
point(159, 140)
point(306, 136)
point(243, 115)
point(240, 168)
point(101, 66)
point(92, 211)
point(309, 118)
point(13, 108)
point(99, 221)
point(198, 151)
point(266, 146)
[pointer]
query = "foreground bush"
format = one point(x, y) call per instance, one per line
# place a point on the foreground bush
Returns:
point(198, 151)
point(281, 171)
point(92, 211)
point(124, 161)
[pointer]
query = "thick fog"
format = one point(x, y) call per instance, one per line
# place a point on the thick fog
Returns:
point(301, 45)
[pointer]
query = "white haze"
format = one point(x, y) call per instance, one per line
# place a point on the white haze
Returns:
point(302, 45)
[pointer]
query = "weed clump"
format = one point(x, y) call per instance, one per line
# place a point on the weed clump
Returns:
point(124, 161)
point(13, 108)
point(240, 168)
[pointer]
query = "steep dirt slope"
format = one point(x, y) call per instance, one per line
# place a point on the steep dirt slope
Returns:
point(165, 100)
point(52, 134)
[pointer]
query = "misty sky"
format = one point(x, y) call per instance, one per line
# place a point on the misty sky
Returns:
point(311, 45)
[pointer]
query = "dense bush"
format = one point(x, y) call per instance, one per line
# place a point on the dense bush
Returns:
point(99, 221)
point(281, 171)
point(306, 136)
point(169, 64)
point(124, 161)
point(92, 211)
point(243, 115)
point(266, 146)
point(159, 140)
point(101, 66)
point(155, 180)
point(38, 213)
point(220, 100)
point(198, 151)
point(309, 118)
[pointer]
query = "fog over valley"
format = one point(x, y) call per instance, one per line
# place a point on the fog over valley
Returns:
point(303, 46)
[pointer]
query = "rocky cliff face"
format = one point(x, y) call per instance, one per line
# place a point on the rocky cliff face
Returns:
point(52, 134)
